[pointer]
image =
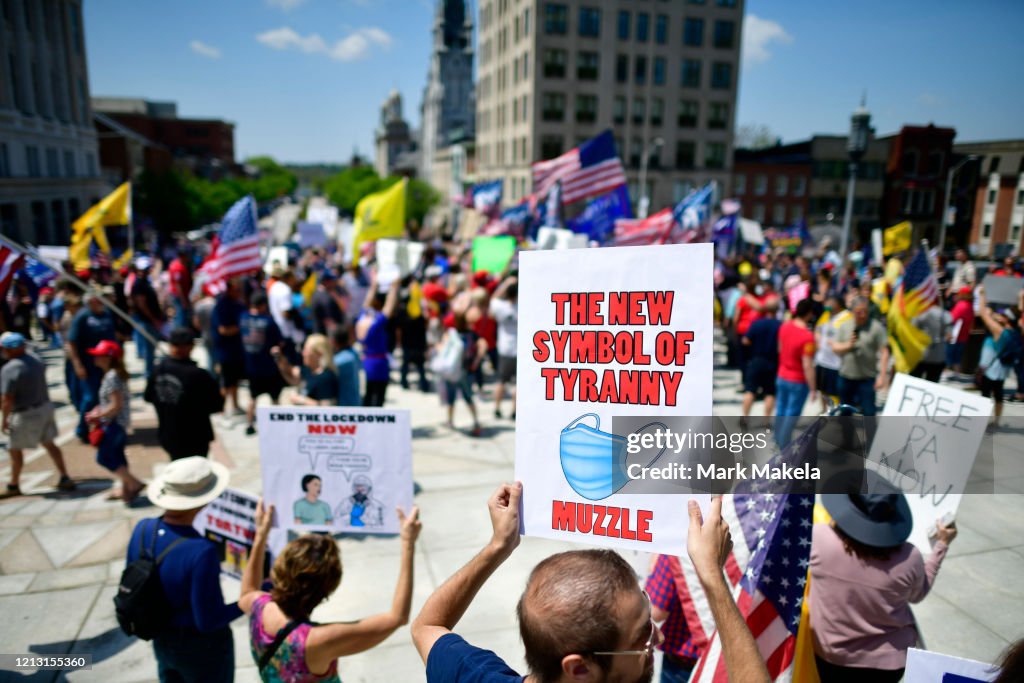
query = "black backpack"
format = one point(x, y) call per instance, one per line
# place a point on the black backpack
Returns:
point(1010, 353)
point(141, 605)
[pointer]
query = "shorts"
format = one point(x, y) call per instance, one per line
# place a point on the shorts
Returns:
point(32, 427)
point(271, 385)
point(992, 388)
point(827, 380)
point(506, 369)
point(462, 386)
point(759, 376)
point(231, 373)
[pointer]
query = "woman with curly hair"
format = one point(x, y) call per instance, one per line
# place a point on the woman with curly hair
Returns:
point(285, 644)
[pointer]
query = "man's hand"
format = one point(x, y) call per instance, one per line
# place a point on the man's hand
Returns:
point(709, 541)
point(411, 525)
point(945, 533)
point(264, 518)
point(7, 426)
point(504, 509)
point(79, 370)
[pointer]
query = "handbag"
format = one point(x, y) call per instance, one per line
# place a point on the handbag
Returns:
point(96, 433)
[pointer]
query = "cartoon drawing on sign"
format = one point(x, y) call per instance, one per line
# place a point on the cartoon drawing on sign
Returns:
point(361, 508)
point(310, 509)
point(592, 460)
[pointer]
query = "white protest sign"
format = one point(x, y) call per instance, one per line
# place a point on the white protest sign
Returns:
point(310, 234)
point(230, 522)
point(929, 451)
point(559, 238)
point(603, 333)
point(931, 667)
point(402, 255)
point(336, 469)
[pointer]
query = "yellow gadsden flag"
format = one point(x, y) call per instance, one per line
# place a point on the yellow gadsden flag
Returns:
point(897, 238)
point(381, 214)
point(114, 209)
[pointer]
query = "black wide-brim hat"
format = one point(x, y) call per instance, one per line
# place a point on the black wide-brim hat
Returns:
point(880, 519)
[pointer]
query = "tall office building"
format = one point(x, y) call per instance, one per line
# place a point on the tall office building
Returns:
point(662, 75)
point(49, 173)
point(448, 101)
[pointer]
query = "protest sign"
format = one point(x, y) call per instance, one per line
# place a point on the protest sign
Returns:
point(559, 238)
point(932, 667)
point(310, 234)
point(399, 256)
point(926, 444)
point(607, 333)
point(493, 253)
point(1000, 289)
point(230, 522)
point(336, 469)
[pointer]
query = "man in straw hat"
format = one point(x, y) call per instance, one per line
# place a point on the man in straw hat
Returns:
point(197, 644)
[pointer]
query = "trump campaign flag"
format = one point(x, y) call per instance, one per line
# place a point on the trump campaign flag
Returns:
point(487, 196)
point(12, 259)
point(591, 169)
point(236, 249)
point(599, 217)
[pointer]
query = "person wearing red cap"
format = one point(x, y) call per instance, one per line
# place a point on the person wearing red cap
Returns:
point(112, 417)
point(963, 320)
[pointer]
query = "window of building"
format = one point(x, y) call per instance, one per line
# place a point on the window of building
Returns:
point(686, 154)
point(721, 75)
point(639, 109)
point(39, 225)
point(991, 199)
point(554, 63)
point(781, 185)
point(993, 165)
point(725, 34)
point(936, 159)
point(9, 221)
point(718, 115)
point(714, 155)
point(60, 221)
point(52, 163)
point(621, 68)
point(590, 22)
point(760, 184)
point(515, 71)
point(553, 106)
point(758, 213)
point(690, 76)
point(689, 110)
point(5, 161)
point(740, 184)
point(619, 109)
point(586, 108)
point(636, 152)
point(799, 186)
point(587, 66)
point(1015, 232)
point(526, 23)
point(725, 3)
point(640, 69)
point(910, 162)
point(657, 111)
point(556, 19)
point(661, 29)
point(83, 102)
point(779, 214)
point(796, 213)
point(32, 161)
point(623, 25)
point(1020, 193)
point(693, 32)
point(12, 72)
point(659, 71)
point(524, 103)
point(643, 27)
point(986, 231)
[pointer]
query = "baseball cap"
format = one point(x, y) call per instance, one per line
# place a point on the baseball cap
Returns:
point(143, 263)
point(12, 340)
point(965, 291)
point(182, 336)
point(106, 348)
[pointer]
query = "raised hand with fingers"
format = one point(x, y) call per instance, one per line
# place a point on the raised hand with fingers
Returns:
point(411, 524)
point(709, 541)
point(504, 509)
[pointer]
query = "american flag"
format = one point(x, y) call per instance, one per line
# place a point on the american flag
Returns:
point(767, 569)
point(12, 259)
point(591, 169)
point(656, 229)
point(236, 251)
point(920, 289)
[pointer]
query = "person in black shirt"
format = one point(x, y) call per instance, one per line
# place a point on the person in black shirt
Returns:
point(185, 396)
point(147, 313)
point(762, 343)
point(326, 304)
point(228, 351)
point(317, 375)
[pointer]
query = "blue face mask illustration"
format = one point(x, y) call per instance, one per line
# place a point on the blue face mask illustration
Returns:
point(592, 460)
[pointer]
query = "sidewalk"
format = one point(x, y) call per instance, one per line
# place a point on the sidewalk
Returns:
point(61, 554)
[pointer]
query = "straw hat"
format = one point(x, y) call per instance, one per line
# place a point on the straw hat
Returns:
point(188, 483)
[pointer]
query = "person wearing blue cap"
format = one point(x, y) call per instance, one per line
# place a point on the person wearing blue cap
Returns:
point(27, 411)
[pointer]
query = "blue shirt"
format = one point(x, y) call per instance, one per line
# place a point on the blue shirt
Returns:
point(259, 334)
point(453, 660)
point(764, 339)
point(227, 312)
point(375, 347)
point(89, 329)
point(348, 364)
point(190, 575)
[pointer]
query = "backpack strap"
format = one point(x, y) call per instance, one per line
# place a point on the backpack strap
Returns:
point(269, 653)
point(152, 545)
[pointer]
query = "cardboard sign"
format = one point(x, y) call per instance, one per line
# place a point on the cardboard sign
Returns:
point(493, 253)
point(558, 238)
point(310, 234)
point(1003, 290)
point(932, 667)
point(230, 522)
point(930, 451)
point(336, 469)
point(604, 333)
point(399, 256)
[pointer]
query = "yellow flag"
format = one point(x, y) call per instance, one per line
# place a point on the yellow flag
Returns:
point(308, 287)
point(897, 238)
point(906, 342)
point(124, 259)
point(381, 214)
point(114, 209)
point(804, 668)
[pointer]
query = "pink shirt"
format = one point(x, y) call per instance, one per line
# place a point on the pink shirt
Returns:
point(860, 609)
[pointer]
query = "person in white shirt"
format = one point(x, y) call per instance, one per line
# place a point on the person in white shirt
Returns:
point(505, 311)
point(279, 298)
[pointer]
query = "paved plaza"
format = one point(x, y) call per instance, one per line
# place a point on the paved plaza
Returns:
point(61, 553)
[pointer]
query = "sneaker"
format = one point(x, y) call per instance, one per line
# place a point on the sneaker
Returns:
point(11, 491)
point(66, 484)
point(250, 430)
point(497, 414)
point(476, 431)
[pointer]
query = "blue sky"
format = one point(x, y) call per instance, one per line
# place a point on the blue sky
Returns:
point(303, 80)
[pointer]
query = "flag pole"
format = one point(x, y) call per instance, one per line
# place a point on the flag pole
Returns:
point(131, 223)
point(86, 288)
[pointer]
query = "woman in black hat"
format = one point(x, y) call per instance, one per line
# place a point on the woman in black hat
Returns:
point(864, 575)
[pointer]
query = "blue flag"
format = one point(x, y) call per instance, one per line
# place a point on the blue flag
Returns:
point(694, 211)
point(487, 196)
point(598, 219)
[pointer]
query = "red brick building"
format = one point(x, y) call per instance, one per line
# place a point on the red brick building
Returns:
point(773, 184)
point(919, 160)
point(997, 224)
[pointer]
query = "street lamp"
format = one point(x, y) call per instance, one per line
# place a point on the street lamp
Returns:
point(949, 191)
point(856, 146)
point(652, 146)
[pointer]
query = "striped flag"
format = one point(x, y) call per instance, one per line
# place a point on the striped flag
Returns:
point(656, 229)
point(236, 250)
point(767, 569)
point(918, 292)
point(586, 171)
point(12, 259)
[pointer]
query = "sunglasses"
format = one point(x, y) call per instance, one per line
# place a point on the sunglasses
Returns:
point(652, 639)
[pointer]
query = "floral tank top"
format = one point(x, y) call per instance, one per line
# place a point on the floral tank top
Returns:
point(288, 665)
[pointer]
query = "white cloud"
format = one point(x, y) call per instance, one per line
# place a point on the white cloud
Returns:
point(285, 5)
point(758, 35)
point(201, 48)
point(357, 45)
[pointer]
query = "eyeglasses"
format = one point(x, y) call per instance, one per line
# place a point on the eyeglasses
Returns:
point(648, 650)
